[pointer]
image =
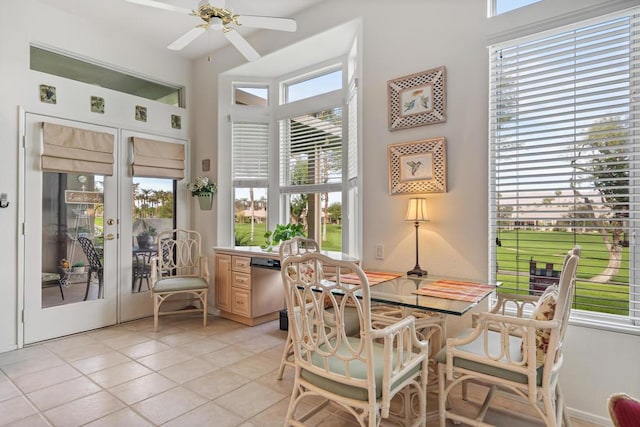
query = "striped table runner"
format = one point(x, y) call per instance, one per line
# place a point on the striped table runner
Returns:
point(374, 277)
point(452, 289)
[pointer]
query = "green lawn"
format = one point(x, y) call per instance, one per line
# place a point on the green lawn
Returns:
point(543, 247)
point(243, 236)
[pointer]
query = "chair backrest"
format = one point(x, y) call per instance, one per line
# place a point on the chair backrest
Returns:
point(319, 338)
point(179, 253)
point(297, 246)
point(90, 252)
point(566, 290)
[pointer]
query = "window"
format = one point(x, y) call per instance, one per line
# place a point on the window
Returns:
point(250, 159)
point(312, 86)
point(251, 95)
point(497, 7)
point(293, 158)
point(81, 70)
point(564, 162)
point(311, 173)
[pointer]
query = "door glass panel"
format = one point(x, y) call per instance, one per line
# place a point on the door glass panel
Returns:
point(153, 212)
point(72, 238)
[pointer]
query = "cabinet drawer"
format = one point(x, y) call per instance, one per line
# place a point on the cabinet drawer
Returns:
point(241, 302)
point(241, 280)
point(241, 263)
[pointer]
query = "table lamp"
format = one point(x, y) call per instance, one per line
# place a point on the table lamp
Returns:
point(417, 211)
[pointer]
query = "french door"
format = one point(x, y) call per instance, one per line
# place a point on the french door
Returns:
point(71, 232)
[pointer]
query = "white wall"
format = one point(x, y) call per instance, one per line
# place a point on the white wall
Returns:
point(411, 37)
point(19, 86)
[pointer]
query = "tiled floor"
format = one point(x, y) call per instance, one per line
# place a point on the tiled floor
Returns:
point(184, 375)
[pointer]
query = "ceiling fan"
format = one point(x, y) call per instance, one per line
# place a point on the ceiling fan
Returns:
point(217, 17)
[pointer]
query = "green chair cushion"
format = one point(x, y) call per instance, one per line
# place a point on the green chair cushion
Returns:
point(357, 369)
point(477, 347)
point(173, 284)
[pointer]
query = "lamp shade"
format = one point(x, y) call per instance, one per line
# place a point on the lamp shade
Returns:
point(417, 210)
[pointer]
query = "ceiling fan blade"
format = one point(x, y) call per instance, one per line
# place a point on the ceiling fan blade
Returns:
point(187, 38)
point(268, 22)
point(242, 45)
point(161, 5)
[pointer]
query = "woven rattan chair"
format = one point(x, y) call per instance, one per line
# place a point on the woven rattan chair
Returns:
point(179, 269)
point(361, 374)
point(515, 353)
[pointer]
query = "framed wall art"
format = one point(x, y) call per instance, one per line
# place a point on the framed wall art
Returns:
point(418, 167)
point(418, 99)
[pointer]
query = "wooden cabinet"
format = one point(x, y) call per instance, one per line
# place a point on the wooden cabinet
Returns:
point(223, 282)
point(241, 300)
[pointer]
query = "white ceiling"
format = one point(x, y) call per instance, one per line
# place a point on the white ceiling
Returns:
point(160, 27)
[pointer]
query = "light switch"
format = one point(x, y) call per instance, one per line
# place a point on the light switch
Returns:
point(379, 251)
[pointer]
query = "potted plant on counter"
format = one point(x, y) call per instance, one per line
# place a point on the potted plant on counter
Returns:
point(281, 233)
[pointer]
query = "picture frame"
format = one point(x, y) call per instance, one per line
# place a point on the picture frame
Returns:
point(418, 99)
point(418, 166)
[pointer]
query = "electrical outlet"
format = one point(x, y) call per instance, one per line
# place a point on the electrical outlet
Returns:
point(379, 251)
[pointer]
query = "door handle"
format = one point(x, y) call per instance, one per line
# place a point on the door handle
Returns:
point(110, 236)
point(110, 221)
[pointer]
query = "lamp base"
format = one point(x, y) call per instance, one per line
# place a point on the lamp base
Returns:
point(417, 271)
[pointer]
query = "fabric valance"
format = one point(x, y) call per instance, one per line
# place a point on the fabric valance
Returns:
point(72, 150)
point(157, 159)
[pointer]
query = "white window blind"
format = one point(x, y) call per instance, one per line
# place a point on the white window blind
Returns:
point(352, 164)
point(250, 153)
point(311, 151)
point(565, 161)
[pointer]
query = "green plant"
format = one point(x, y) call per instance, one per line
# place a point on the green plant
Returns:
point(78, 264)
point(282, 233)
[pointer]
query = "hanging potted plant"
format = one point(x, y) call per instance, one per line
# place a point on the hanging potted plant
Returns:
point(203, 189)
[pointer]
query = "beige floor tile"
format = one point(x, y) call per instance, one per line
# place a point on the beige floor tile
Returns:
point(227, 356)
point(100, 362)
point(258, 344)
point(45, 378)
point(119, 374)
point(35, 420)
point(110, 332)
point(125, 340)
point(217, 383)
point(179, 339)
point(273, 416)
point(59, 394)
point(24, 354)
point(8, 390)
point(249, 399)
point(29, 366)
point(144, 349)
point(73, 341)
point(142, 388)
point(202, 346)
point(187, 371)
point(71, 354)
point(164, 359)
point(284, 386)
point(209, 414)
point(169, 405)
point(255, 366)
point(14, 409)
point(84, 410)
point(124, 417)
